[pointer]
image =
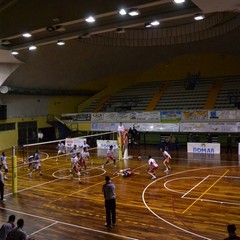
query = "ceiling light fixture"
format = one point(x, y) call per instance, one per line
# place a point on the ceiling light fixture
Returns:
point(32, 47)
point(90, 19)
point(155, 23)
point(147, 25)
point(14, 52)
point(50, 29)
point(122, 12)
point(199, 17)
point(179, 1)
point(133, 12)
point(60, 43)
point(27, 35)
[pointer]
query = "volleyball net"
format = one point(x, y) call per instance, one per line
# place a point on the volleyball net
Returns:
point(57, 149)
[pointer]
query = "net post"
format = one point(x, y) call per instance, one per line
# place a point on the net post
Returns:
point(119, 147)
point(14, 171)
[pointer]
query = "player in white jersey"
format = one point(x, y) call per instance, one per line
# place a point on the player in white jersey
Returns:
point(61, 149)
point(77, 166)
point(73, 152)
point(152, 166)
point(86, 147)
point(85, 158)
point(166, 159)
point(4, 164)
point(110, 156)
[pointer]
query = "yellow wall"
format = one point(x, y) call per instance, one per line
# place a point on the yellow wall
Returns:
point(59, 105)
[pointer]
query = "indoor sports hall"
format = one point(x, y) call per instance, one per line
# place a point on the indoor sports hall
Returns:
point(146, 92)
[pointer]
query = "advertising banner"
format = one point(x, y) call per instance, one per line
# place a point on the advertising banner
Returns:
point(70, 142)
point(141, 127)
point(223, 114)
point(105, 144)
point(194, 115)
point(171, 116)
point(209, 148)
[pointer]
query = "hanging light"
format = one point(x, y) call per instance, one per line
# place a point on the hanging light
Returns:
point(26, 35)
point(32, 47)
point(14, 52)
point(90, 19)
point(199, 17)
point(133, 12)
point(60, 42)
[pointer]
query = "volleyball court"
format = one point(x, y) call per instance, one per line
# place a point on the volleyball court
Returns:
point(58, 157)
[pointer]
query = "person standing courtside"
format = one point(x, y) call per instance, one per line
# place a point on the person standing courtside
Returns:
point(108, 190)
point(1, 185)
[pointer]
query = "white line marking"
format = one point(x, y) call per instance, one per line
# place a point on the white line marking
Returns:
point(194, 186)
point(72, 225)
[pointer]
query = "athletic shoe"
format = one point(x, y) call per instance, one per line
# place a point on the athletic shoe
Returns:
point(169, 168)
point(40, 173)
point(154, 177)
point(166, 170)
point(30, 174)
point(5, 177)
point(108, 226)
point(114, 224)
point(102, 166)
point(3, 200)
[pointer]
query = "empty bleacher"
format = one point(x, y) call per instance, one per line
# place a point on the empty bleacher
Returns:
point(229, 91)
point(176, 96)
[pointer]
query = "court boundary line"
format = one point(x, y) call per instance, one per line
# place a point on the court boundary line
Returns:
point(173, 174)
point(67, 224)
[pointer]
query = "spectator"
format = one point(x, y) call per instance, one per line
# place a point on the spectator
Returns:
point(40, 136)
point(7, 227)
point(231, 228)
point(1, 185)
point(18, 233)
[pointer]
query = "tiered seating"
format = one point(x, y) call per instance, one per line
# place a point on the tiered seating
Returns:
point(177, 97)
point(92, 106)
point(225, 97)
point(134, 98)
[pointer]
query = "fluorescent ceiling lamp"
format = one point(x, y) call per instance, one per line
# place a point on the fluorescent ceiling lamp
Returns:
point(199, 17)
point(14, 52)
point(122, 12)
point(155, 23)
point(27, 35)
point(60, 42)
point(133, 12)
point(147, 25)
point(179, 1)
point(90, 19)
point(32, 47)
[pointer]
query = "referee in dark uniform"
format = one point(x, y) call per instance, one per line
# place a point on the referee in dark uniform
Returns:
point(108, 190)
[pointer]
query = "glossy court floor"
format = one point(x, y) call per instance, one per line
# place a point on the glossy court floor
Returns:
point(196, 200)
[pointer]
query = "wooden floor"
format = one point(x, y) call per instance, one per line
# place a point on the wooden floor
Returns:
point(196, 200)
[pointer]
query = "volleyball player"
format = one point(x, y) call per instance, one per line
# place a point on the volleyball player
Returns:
point(36, 164)
point(152, 166)
point(73, 152)
point(85, 158)
point(110, 156)
point(86, 151)
point(4, 164)
point(166, 159)
point(61, 149)
point(77, 166)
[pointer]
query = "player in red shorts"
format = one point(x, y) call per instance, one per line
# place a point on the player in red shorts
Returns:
point(77, 167)
point(110, 156)
point(152, 166)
